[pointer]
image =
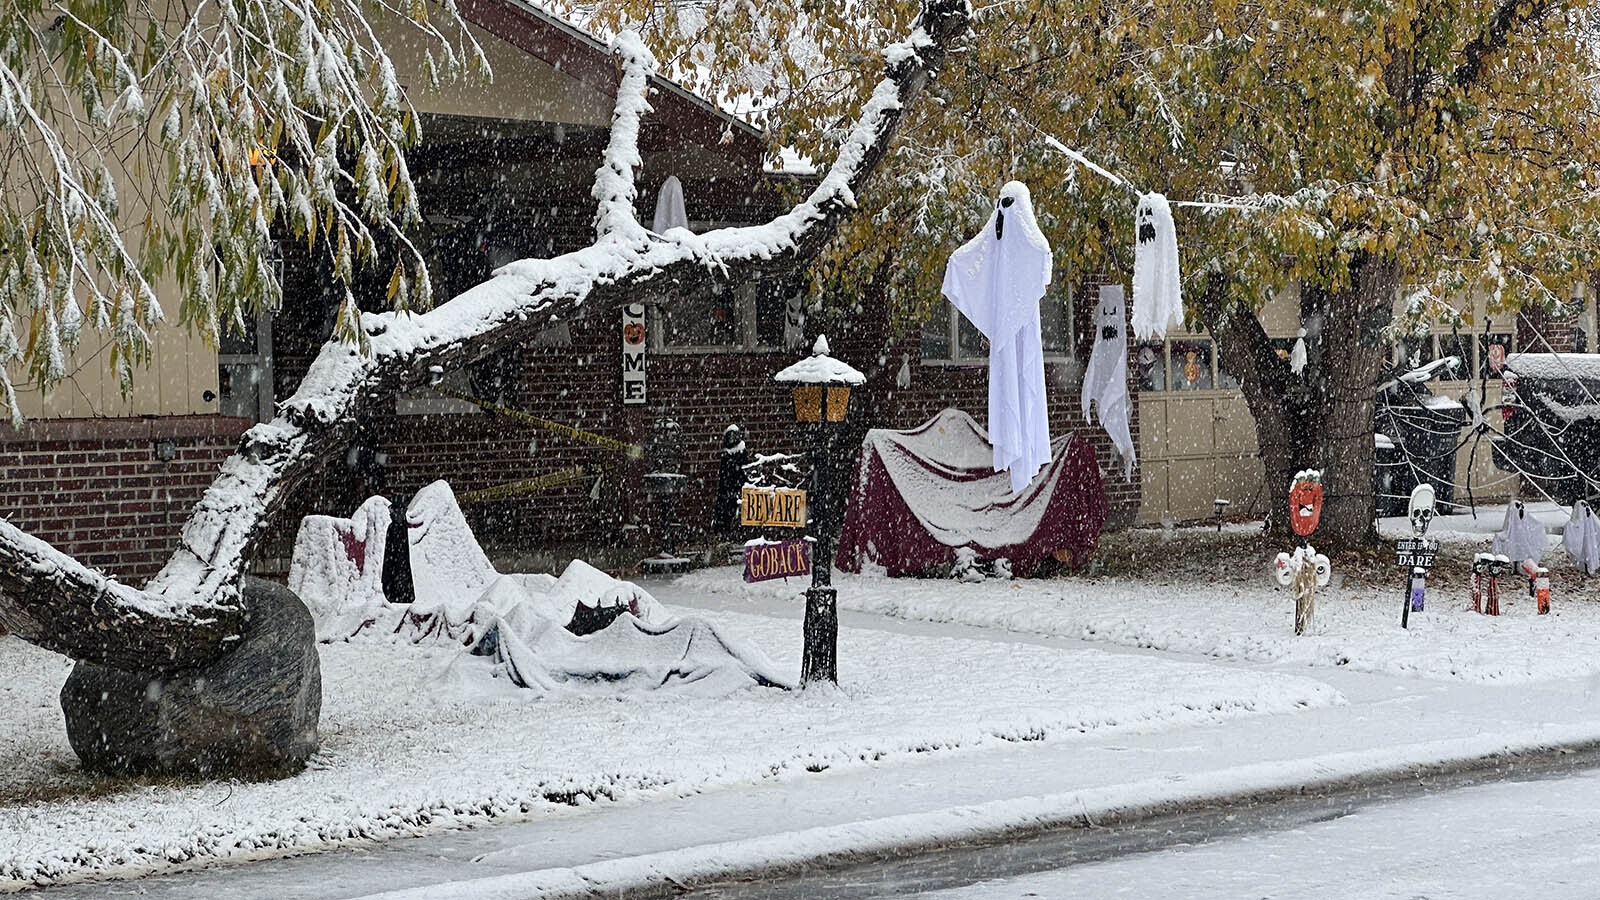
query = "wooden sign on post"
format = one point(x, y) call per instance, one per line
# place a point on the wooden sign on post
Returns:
point(633, 357)
point(772, 507)
point(764, 561)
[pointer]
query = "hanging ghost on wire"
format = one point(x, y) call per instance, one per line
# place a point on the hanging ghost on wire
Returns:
point(1105, 381)
point(1157, 301)
point(996, 279)
point(670, 211)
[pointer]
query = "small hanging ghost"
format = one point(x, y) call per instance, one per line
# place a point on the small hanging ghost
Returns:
point(902, 378)
point(1581, 537)
point(1106, 379)
point(1297, 356)
point(670, 212)
point(1157, 302)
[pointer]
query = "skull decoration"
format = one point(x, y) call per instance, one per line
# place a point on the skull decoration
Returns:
point(1421, 511)
point(1305, 502)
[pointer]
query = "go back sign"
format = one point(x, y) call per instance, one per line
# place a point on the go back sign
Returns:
point(764, 561)
point(773, 507)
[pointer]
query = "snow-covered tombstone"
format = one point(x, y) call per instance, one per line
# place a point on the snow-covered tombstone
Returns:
point(337, 568)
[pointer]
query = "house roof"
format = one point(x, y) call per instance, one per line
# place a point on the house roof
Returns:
point(680, 113)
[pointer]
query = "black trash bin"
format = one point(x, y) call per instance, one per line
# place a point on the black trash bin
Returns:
point(1417, 433)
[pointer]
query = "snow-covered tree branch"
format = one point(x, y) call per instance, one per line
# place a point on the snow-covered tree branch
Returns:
point(192, 606)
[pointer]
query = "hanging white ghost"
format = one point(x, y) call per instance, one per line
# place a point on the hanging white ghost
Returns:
point(1105, 381)
point(996, 280)
point(670, 211)
point(1157, 302)
point(1581, 537)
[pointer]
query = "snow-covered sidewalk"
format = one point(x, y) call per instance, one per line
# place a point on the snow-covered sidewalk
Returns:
point(940, 730)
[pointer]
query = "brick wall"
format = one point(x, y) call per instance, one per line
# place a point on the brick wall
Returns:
point(95, 489)
point(581, 386)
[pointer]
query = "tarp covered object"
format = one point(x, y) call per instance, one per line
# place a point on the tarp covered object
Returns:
point(921, 494)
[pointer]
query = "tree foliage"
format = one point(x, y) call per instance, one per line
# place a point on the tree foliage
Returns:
point(147, 144)
point(1457, 138)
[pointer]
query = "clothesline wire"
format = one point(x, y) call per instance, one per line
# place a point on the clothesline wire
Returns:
point(1122, 181)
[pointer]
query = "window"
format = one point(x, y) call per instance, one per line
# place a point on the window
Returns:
point(763, 315)
point(1151, 362)
point(948, 338)
point(1191, 365)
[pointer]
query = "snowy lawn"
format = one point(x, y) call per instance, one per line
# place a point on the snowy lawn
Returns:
point(1357, 625)
point(406, 750)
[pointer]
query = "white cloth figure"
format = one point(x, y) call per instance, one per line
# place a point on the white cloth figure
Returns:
point(1581, 537)
point(1521, 537)
point(670, 212)
point(1157, 303)
point(996, 280)
point(1106, 379)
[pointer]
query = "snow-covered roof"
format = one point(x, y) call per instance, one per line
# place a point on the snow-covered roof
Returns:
point(1555, 365)
point(820, 368)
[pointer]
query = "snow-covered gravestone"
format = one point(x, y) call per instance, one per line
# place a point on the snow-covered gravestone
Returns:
point(449, 570)
point(337, 568)
point(996, 279)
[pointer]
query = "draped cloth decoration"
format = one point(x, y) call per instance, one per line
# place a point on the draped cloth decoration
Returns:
point(921, 495)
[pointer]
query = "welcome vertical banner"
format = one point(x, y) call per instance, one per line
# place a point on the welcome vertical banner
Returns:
point(633, 358)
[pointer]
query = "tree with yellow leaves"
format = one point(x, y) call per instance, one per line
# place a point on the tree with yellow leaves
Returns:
point(1388, 150)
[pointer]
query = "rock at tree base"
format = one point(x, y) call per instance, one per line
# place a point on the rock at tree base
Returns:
point(252, 712)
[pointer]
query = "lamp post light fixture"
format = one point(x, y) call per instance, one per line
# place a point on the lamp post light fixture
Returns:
point(821, 387)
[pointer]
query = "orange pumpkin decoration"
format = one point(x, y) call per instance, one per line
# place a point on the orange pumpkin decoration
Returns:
point(1305, 507)
point(633, 333)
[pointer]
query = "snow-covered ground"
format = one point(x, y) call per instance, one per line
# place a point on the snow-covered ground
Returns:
point(418, 739)
point(407, 749)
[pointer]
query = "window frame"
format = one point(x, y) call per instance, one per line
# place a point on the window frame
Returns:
point(954, 318)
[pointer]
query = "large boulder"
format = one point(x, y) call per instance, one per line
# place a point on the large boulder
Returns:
point(253, 712)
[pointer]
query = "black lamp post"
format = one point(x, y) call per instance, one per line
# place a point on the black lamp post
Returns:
point(821, 400)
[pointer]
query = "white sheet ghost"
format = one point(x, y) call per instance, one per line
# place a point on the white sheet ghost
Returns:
point(1581, 537)
point(1157, 302)
point(996, 280)
point(670, 212)
point(1521, 537)
point(1106, 379)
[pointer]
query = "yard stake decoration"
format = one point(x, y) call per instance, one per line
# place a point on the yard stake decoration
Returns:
point(1305, 569)
point(1417, 553)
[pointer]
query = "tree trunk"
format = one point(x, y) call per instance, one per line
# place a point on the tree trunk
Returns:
point(1351, 357)
point(1321, 418)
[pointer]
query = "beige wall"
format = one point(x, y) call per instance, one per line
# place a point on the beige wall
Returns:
point(183, 369)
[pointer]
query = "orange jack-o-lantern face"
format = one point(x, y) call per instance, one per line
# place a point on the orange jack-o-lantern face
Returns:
point(633, 333)
point(1305, 507)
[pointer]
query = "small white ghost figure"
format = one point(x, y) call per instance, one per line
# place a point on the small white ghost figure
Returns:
point(1157, 300)
point(1105, 381)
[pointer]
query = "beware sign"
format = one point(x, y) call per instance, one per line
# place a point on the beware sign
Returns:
point(764, 561)
point(773, 507)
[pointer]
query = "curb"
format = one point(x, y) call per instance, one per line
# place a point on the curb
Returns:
point(786, 854)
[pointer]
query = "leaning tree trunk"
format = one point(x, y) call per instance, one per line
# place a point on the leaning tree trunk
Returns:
point(194, 611)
